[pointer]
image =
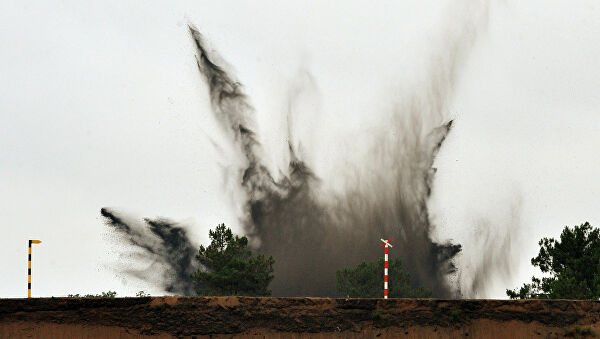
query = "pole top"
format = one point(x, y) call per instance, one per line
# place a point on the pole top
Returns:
point(36, 241)
point(386, 243)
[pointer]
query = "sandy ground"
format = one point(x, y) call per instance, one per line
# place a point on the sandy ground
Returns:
point(243, 317)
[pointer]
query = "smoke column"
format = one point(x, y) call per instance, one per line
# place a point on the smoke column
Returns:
point(310, 234)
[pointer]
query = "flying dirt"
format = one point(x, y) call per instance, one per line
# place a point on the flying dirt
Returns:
point(311, 235)
point(165, 244)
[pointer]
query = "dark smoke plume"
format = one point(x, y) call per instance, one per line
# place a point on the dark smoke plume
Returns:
point(311, 238)
point(309, 235)
point(166, 246)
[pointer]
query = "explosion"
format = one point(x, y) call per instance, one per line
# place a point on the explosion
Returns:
point(311, 234)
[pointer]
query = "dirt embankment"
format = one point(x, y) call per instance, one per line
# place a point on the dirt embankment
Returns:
point(244, 317)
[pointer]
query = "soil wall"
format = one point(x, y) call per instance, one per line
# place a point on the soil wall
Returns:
point(246, 317)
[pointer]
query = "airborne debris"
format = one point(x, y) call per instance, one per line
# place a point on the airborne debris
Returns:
point(311, 238)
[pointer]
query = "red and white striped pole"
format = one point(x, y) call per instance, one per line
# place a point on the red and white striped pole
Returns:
point(385, 269)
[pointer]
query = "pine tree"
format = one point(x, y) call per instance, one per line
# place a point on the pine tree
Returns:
point(366, 281)
point(572, 263)
point(230, 268)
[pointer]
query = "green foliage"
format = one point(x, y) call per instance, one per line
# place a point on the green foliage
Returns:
point(108, 294)
point(142, 294)
point(572, 263)
point(230, 268)
point(455, 315)
point(366, 281)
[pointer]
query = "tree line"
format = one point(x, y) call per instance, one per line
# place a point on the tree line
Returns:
point(230, 268)
point(570, 264)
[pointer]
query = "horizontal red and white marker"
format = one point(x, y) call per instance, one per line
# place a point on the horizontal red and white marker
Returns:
point(385, 269)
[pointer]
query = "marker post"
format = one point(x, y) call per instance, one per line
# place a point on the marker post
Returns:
point(385, 269)
point(29, 267)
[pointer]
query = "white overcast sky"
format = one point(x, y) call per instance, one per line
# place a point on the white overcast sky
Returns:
point(101, 105)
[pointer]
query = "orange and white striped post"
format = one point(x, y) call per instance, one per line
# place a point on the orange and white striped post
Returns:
point(29, 267)
point(385, 269)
